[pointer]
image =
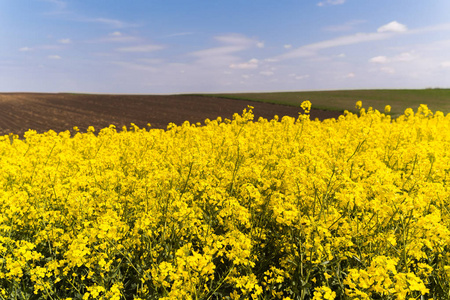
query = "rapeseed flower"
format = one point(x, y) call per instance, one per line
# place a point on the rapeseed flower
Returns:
point(349, 208)
point(387, 109)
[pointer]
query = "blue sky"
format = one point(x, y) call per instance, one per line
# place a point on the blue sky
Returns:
point(179, 46)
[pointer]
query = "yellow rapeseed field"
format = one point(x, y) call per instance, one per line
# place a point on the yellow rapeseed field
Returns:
point(353, 208)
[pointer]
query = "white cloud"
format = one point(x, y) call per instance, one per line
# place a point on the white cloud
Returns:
point(445, 64)
point(379, 59)
point(25, 49)
point(54, 57)
point(393, 26)
point(65, 41)
point(260, 45)
point(341, 55)
point(142, 48)
point(331, 2)
point(287, 46)
point(350, 75)
point(115, 33)
point(251, 64)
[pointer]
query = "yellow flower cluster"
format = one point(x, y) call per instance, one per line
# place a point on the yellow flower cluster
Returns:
point(351, 208)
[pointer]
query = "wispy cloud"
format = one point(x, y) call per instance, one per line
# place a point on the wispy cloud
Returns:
point(226, 55)
point(73, 16)
point(331, 2)
point(301, 77)
point(402, 57)
point(48, 47)
point(232, 43)
point(135, 66)
point(387, 31)
point(110, 22)
point(251, 64)
point(179, 34)
point(387, 70)
point(119, 37)
point(152, 61)
point(439, 27)
point(65, 41)
point(54, 57)
point(60, 4)
point(217, 51)
point(141, 48)
point(41, 47)
point(237, 39)
point(379, 59)
point(59, 7)
point(347, 26)
point(113, 23)
point(311, 49)
point(405, 57)
point(266, 73)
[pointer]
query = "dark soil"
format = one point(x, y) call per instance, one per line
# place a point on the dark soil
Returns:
point(59, 112)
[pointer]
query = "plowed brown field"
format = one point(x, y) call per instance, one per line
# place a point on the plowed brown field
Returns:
point(59, 112)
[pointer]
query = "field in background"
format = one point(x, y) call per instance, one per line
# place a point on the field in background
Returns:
point(399, 100)
point(20, 112)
